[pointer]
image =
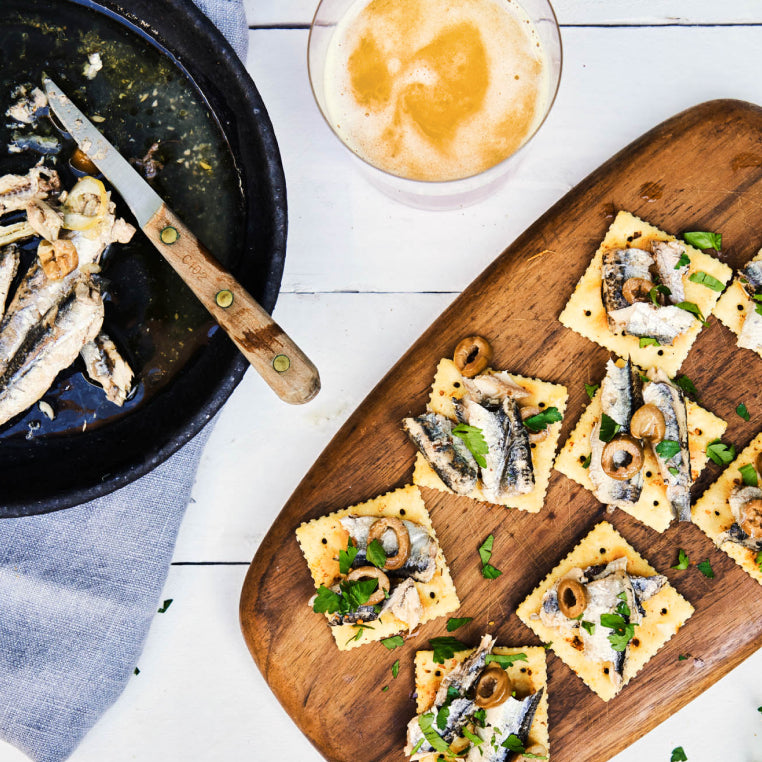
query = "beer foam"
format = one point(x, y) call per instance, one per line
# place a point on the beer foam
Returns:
point(435, 89)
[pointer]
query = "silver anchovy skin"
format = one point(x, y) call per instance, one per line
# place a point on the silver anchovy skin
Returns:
point(671, 402)
point(751, 278)
point(667, 254)
point(105, 366)
point(403, 601)
point(740, 497)
point(51, 347)
point(493, 386)
point(621, 396)
point(750, 336)
point(421, 561)
point(619, 265)
point(9, 265)
point(647, 320)
point(42, 144)
point(445, 453)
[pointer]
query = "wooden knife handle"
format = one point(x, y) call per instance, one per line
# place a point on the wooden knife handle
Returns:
point(263, 342)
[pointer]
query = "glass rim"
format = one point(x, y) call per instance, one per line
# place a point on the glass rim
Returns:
point(444, 184)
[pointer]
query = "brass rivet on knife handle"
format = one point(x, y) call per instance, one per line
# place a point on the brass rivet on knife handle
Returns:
point(263, 342)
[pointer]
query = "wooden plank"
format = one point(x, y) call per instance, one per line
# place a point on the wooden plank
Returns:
point(346, 235)
point(260, 13)
point(692, 168)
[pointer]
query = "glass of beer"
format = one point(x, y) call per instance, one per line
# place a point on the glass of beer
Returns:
point(437, 98)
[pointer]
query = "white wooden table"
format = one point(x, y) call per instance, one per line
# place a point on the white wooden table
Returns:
point(364, 277)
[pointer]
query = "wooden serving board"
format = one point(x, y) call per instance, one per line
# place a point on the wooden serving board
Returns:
point(700, 170)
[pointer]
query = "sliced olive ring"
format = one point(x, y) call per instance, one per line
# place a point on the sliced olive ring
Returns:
point(622, 443)
point(376, 532)
point(648, 423)
point(493, 687)
point(472, 356)
point(636, 290)
point(368, 572)
point(527, 412)
point(572, 598)
point(751, 522)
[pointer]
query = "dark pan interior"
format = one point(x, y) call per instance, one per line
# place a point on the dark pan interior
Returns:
point(170, 76)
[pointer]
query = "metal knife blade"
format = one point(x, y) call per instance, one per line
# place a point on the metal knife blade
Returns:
point(136, 192)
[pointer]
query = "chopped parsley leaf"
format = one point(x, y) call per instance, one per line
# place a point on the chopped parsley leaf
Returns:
point(137, 671)
point(490, 572)
point(623, 631)
point(358, 634)
point(682, 560)
point(684, 260)
point(743, 412)
point(706, 569)
point(396, 669)
point(480, 717)
point(683, 657)
point(442, 715)
point(394, 642)
point(591, 389)
point(720, 453)
point(704, 240)
point(453, 623)
point(547, 645)
point(656, 290)
point(706, 280)
point(444, 648)
point(749, 475)
point(589, 626)
point(678, 755)
point(513, 743)
point(609, 428)
point(385, 688)
point(425, 723)
point(166, 605)
point(694, 309)
point(418, 745)
point(543, 419)
point(686, 385)
point(485, 553)
point(473, 439)
point(505, 660)
point(648, 341)
point(586, 461)
point(622, 609)
point(758, 560)
point(354, 593)
point(674, 471)
point(475, 740)
point(667, 448)
point(376, 554)
point(346, 557)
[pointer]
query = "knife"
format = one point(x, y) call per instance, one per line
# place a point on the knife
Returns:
point(262, 341)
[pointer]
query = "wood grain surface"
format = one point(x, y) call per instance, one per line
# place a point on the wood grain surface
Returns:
point(701, 170)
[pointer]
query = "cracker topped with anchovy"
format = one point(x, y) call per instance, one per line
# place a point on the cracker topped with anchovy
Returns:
point(645, 294)
point(605, 611)
point(740, 307)
point(489, 435)
point(730, 511)
point(378, 568)
point(640, 445)
point(487, 704)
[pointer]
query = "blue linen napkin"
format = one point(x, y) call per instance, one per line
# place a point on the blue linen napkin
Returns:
point(79, 588)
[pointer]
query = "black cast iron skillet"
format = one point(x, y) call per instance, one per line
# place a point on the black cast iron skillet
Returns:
point(222, 174)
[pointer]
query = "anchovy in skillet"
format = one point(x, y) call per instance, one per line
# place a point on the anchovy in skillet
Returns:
point(105, 366)
point(9, 264)
point(16, 191)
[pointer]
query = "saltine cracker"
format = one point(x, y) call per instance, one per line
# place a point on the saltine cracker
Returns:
point(735, 305)
point(321, 540)
point(665, 613)
point(448, 385)
point(712, 511)
point(585, 313)
point(653, 508)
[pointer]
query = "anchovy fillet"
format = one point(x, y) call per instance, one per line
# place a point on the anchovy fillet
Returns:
point(750, 336)
point(620, 397)
point(9, 264)
point(667, 254)
point(421, 561)
point(671, 402)
point(446, 454)
point(493, 386)
point(16, 191)
point(618, 266)
point(105, 366)
point(647, 320)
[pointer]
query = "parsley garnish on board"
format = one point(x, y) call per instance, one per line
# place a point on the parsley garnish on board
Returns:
point(720, 453)
point(396, 669)
point(743, 412)
point(706, 569)
point(346, 557)
point(453, 623)
point(473, 439)
point(706, 280)
point(684, 260)
point(704, 240)
point(749, 475)
point(543, 420)
point(683, 657)
point(609, 428)
point(444, 648)
point(354, 593)
point(166, 605)
point(485, 553)
point(648, 341)
point(375, 554)
point(505, 660)
point(682, 560)
point(678, 755)
point(591, 389)
point(394, 642)
point(667, 448)
point(694, 309)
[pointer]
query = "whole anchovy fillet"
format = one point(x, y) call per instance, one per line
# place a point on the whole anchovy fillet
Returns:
point(493, 387)
point(9, 264)
point(667, 255)
point(461, 679)
point(740, 497)
point(421, 560)
point(51, 347)
point(750, 336)
point(618, 266)
point(16, 191)
point(105, 366)
point(620, 397)
point(446, 454)
point(647, 320)
point(671, 402)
